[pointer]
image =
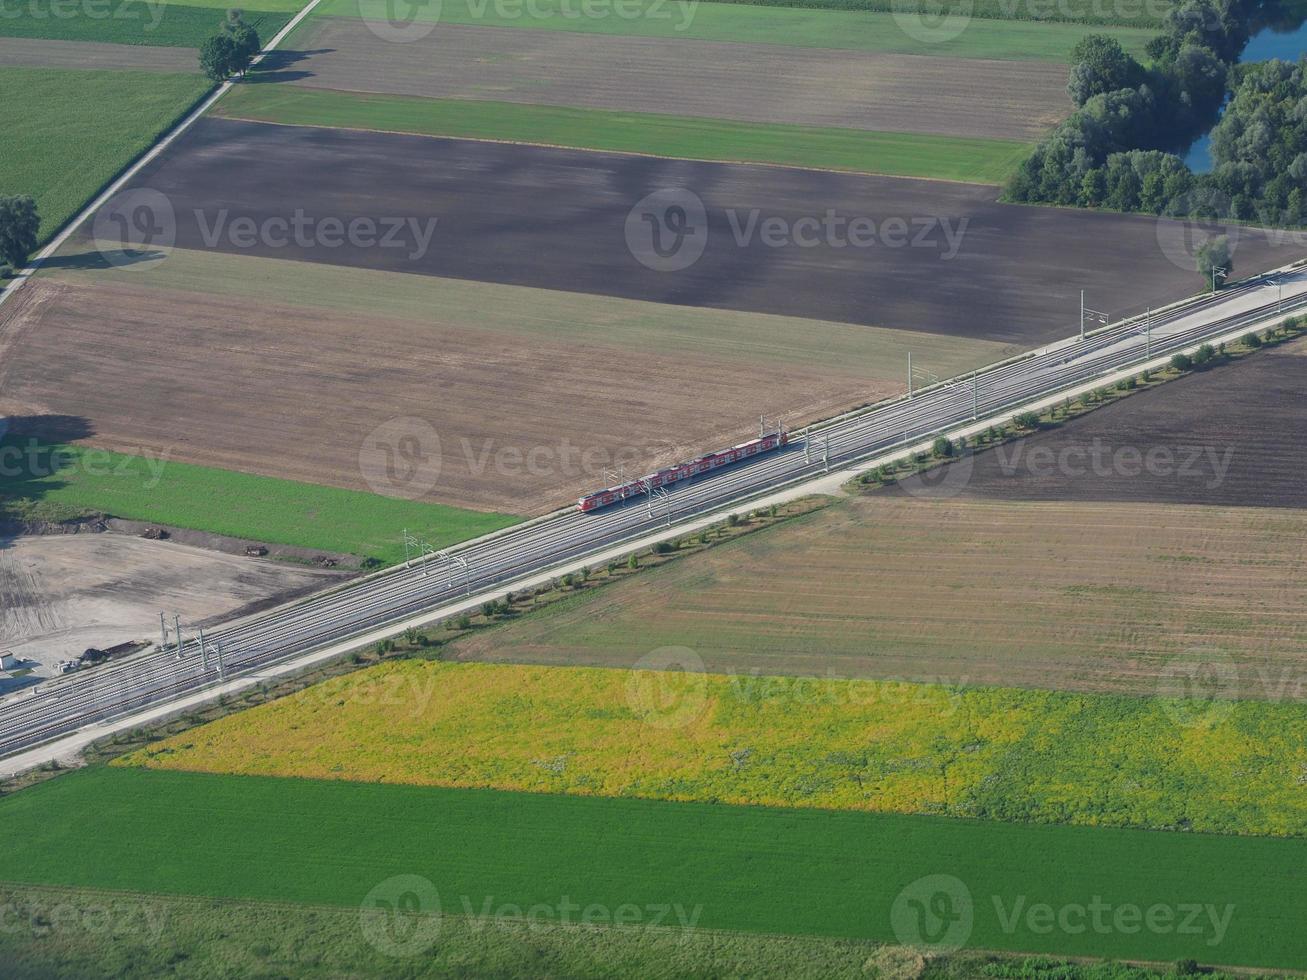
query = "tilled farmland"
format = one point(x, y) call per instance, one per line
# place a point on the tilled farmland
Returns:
point(923, 255)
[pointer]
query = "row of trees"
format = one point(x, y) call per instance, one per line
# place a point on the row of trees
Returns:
point(1115, 150)
point(231, 50)
point(19, 224)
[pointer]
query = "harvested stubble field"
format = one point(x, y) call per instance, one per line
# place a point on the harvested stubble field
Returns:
point(1070, 596)
point(497, 371)
point(858, 30)
point(945, 258)
point(1028, 756)
point(760, 83)
point(1231, 436)
point(752, 869)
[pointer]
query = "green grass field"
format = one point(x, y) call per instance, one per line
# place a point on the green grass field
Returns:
point(182, 25)
point(1229, 900)
point(157, 935)
point(68, 133)
point(1012, 40)
point(894, 154)
point(81, 480)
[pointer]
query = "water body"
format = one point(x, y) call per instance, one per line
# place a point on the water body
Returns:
point(1269, 42)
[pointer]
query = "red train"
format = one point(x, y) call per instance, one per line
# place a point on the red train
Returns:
point(684, 471)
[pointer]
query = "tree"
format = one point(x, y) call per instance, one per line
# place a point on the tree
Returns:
point(942, 448)
point(245, 42)
point(1181, 362)
point(19, 223)
point(1101, 65)
point(1214, 260)
point(218, 57)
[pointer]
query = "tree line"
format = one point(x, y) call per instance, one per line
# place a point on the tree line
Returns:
point(1116, 150)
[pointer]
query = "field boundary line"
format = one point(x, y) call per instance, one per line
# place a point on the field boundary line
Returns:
point(167, 139)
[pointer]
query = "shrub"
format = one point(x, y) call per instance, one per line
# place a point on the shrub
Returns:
point(1182, 362)
point(663, 548)
point(633, 562)
point(1204, 354)
point(464, 622)
point(1027, 420)
point(1251, 340)
point(733, 520)
point(942, 448)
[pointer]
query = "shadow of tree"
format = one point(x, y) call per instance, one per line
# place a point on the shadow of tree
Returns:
point(95, 259)
point(30, 459)
point(276, 66)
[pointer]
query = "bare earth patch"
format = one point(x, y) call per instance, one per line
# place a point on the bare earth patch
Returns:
point(945, 258)
point(60, 594)
point(524, 422)
point(747, 82)
point(24, 52)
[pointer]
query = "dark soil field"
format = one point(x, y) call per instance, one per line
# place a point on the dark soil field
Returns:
point(748, 82)
point(1232, 436)
point(936, 256)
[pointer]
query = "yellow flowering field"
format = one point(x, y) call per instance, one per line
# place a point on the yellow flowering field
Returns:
point(1221, 766)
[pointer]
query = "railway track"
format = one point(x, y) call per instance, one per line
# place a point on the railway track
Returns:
point(489, 565)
